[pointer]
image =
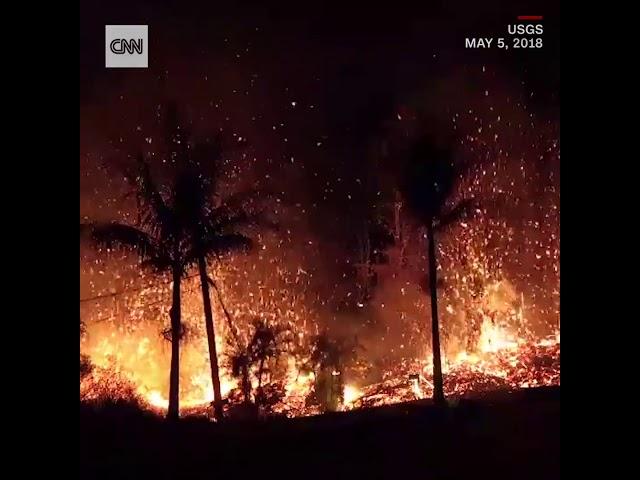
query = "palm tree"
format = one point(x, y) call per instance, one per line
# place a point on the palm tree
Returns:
point(193, 228)
point(207, 228)
point(428, 185)
point(212, 223)
point(160, 242)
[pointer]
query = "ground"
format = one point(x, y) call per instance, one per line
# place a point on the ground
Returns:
point(514, 436)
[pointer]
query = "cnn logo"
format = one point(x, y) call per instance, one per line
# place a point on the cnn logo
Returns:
point(126, 46)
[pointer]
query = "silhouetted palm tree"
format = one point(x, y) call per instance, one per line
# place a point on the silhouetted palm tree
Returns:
point(428, 184)
point(210, 222)
point(211, 232)
point(160, 241)
point(195, 226)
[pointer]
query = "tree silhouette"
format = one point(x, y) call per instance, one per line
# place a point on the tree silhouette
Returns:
point(262, 348)
point(329, 358)
point(85, 361)
point(211, 222)
point(159, 240)
point(211, 232)
point(194, 226)
point(428, 184)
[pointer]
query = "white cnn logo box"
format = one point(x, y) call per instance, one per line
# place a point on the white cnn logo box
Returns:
point(126, 46)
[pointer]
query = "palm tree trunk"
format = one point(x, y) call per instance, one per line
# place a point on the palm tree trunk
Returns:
point(438, 389)
point(173, 412)
point(260, 373)
point(211, 338)
point(246, 383)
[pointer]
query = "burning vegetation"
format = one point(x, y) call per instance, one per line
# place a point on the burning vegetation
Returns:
point(295, 373)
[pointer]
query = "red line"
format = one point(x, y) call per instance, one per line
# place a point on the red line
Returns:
point(529, 17)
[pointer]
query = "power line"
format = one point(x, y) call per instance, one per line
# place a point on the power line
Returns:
point(110, 317)
point(126, 290)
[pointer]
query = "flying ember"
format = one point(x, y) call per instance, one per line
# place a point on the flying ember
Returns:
point(288, 346)
point(334, 300)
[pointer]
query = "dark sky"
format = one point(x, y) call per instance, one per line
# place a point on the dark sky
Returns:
point(350, 68)
point(314, 88)
point(359, 52)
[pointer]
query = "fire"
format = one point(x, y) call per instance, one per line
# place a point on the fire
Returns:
point(129, 343)
point(493, 338)
point(156, 399)
point(133, 361)
point(351, 394)
point(501, 361)
point(499, 315)
point(529, 365)
point(143, 359)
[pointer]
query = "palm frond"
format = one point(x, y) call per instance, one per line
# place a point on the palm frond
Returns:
point(217, 245)
point(150, 194)
point(190, 199)
point(429, 179)
point(227, 315)
point(160, 262)
point(232, 242)
point(118, 235)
